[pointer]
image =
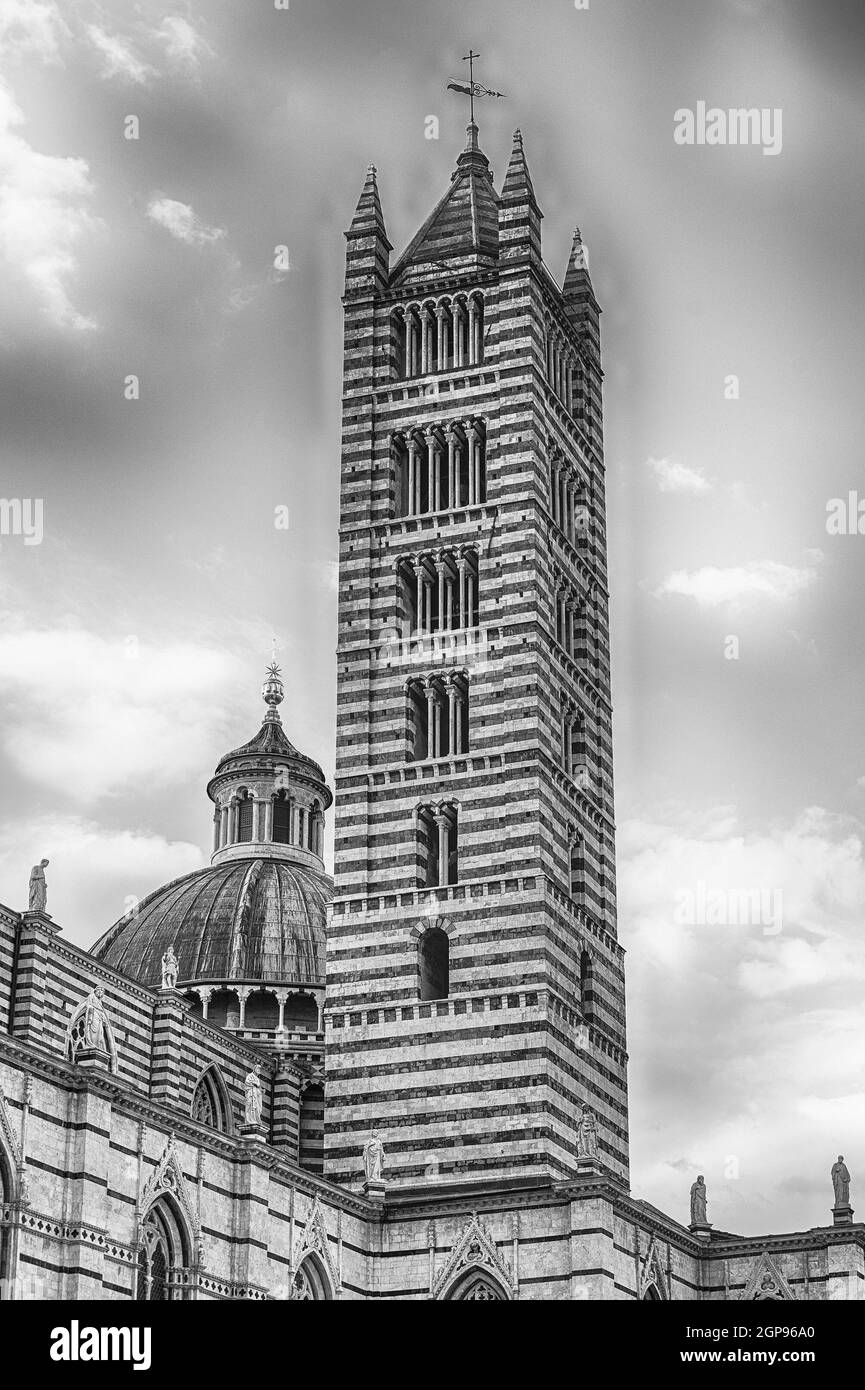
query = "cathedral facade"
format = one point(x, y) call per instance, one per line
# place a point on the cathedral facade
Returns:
point(409, 1082)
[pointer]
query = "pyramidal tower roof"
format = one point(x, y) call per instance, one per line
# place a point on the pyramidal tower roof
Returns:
point(518, 181)
point(577, 273)
point(368, 218)
point(462, 231)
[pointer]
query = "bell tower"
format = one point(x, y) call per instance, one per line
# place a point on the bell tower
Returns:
point(475, 984)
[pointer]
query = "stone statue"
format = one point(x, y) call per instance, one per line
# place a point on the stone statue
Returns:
point(587, 1135)
point(94, 1033)
point(841, 1182)
point(698, 1202)
point(169, 969)
point(38, 888)
point(254, 1098)
point(373, 1157)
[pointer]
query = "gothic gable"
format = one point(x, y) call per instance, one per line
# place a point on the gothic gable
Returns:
point(652, 1272)
point(767, 1281)
point(475, 1249)
point(313, 1241)
point(167, 1180)
point(8, 1135)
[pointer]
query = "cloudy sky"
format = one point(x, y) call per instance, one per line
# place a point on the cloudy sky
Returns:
point(133, 637)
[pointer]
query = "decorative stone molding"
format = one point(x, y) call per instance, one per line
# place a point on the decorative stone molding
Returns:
point(767, 1282)
point(313, 1240)
point(77, 1047)
point(13, 1149)
point(316, 1077)
point(652, 1272)
point(8, 1132)
point(167, 1180)
point(57, 1228)
point(475, 1249)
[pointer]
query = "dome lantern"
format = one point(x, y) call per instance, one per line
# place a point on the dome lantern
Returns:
point(270, 799)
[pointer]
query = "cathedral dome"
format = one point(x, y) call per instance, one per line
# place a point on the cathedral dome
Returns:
point(257, 916)
point(252, 919)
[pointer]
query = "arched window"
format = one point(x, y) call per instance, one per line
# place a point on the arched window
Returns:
point(309, 1282)
point(398, 343)
point(162, 1256)
point(479, 1285)
point(437, 845)
point(587, 986)
point(433, 964)
point(314, 821)
point(311, 1144)
point(301, 1011)
point(282, 818)
point(262, 1011)
point(210, 1102)
point(475, 307)
point(652, 1294)
point(224, 1009)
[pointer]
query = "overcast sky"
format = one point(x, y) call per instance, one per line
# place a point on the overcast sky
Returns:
point(132, 639)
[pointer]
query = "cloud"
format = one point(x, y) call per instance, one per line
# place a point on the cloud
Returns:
point(711, 587)
point(742, 1044)
point(210, 563)
point(95, 873)
point(801, 965)
point(43, 216)
point(183, 44)
point(675, 477)
point(180, 220)
point(118, 59)
point(129, 712)
point(31, 26)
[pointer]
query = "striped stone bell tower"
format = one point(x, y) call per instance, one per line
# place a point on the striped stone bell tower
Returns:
point(475, 985)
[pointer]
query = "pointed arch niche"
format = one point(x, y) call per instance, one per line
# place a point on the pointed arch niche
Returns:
point(164, 1253)
point(480, 1286)
point(211, 1103)
point(310, 1282)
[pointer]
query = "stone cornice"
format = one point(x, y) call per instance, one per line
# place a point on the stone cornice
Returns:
point(163, 1119)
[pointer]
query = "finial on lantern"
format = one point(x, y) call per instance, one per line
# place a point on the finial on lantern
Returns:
point(273, 691)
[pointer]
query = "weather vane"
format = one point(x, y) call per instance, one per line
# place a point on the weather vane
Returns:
point(474, 89)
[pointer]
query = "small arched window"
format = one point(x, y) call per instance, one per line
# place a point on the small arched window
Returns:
point(434, 964)
point(245, 806)
point(312, 827)
point(437, 845)
point(281, 819)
